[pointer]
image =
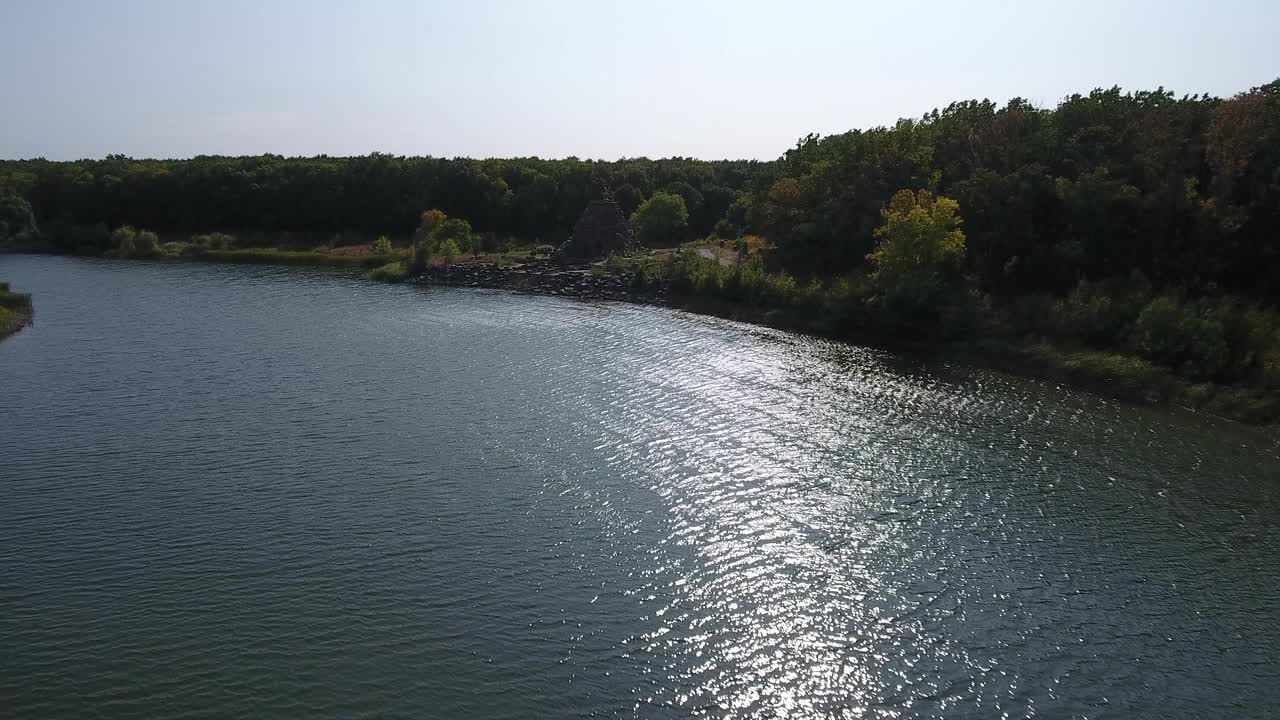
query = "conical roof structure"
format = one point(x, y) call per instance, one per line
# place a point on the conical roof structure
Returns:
point(602, 230)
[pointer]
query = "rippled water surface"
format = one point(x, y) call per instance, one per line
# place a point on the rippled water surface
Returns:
point(257, 492)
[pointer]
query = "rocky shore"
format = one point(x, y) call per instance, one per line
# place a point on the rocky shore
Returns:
point(545, 277)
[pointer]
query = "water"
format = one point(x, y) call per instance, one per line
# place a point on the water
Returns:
point(231, 491)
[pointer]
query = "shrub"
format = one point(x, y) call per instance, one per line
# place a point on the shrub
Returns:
point(421, 257)
point(1177, 336)
point(449, 250)
point(392, 272)
point(123, 240)
point(214, 241)
point(127, 241)
point(381, 246)
point(146, 244)
point(1251, 335)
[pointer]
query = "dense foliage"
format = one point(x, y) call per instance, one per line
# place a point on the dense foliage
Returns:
point(1185, 190)
point(306, 201)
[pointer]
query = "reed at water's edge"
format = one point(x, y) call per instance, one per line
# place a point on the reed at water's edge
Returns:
point(15, 310)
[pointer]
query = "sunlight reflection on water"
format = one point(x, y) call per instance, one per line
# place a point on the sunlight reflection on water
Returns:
point(373, 500)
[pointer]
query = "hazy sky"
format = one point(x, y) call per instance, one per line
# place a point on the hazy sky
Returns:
point(591, 78)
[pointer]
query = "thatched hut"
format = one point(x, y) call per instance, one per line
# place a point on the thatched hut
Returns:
point(602, 230)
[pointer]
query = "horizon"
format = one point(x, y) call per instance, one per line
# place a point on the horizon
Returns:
point(711, 81)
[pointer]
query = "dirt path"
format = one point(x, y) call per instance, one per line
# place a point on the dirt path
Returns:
point(711, 254)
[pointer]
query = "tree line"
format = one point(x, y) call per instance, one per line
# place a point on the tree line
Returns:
point(529, 199)
point(1184, 190)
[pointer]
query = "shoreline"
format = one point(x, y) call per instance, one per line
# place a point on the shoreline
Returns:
point(14, 323)
point(1107, 374)
point(1116, 376)
point(1100, 373)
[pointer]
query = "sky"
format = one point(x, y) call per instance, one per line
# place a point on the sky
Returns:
point(587, 78)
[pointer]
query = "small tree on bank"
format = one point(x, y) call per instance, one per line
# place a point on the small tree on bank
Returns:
point(439, 234)
point(661, 220)
point(459, 232)
point(424, 240)
point(917, 263)
point(17, 221)
point(448, 250)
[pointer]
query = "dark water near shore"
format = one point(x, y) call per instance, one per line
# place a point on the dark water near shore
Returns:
point(236, 491)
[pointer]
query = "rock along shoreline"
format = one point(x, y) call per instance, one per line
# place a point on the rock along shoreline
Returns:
point(546, 278)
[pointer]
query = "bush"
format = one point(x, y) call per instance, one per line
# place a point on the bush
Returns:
point(1178, 336)
point(392, 272)
point(381, 246)
point(448, 250)
point(214, 241)
point(1120, 375)
point(421, 256)
point(1251, 335)
point(146, 244)
point(128, 241)
point(123, 239)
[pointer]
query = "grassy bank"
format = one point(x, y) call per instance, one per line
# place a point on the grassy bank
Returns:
point(273, 256)
point(15, 310)
point(1097, 340)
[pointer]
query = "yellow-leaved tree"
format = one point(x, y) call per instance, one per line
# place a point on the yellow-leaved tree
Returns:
point(919, 258)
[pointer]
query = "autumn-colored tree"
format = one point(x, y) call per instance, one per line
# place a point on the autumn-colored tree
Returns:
point(918, 259)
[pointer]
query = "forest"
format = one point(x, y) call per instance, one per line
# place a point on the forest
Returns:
point(1142, 223)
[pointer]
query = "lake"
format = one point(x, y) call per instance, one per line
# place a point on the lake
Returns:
point(247, 491)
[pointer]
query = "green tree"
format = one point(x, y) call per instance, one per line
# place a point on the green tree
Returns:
point(381, 246)
point(628, 198)
point(1183, 337)
point(694, 202)
point(457, 230)
point(16, 219)
point(424, 240)
point(448, 250)
point(918, 259)
point(661, 220)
